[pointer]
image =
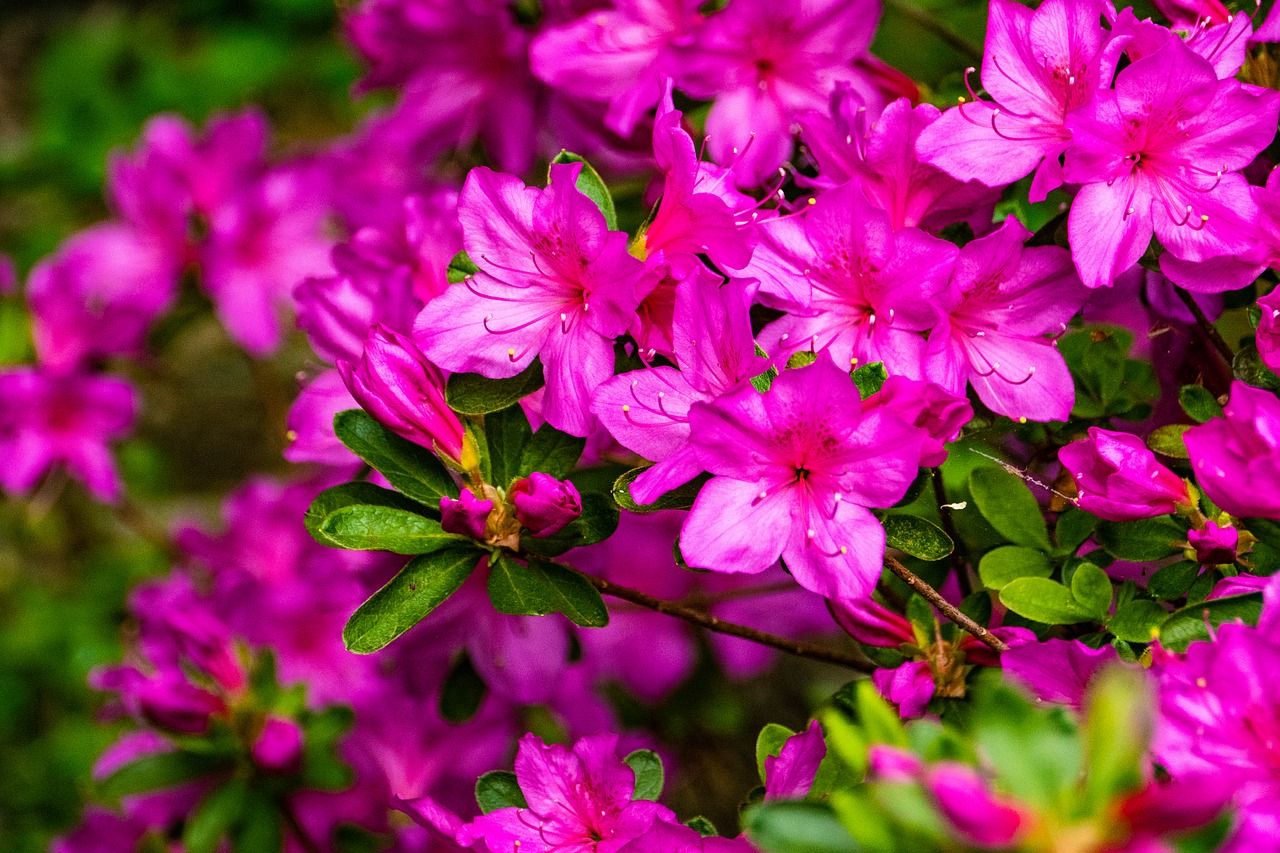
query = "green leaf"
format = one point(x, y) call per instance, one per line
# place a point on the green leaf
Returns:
point(913, 535)
point(353, 494)
point(870, 378)
point(703, 826)
point(1073, 528)
point(681, 497)
point(551, 452)
point(1043, 600)
point(1172, 582)
point(214, 817)
point(414, 470)
point(499, 790)
point(1141, 541)
point(592, 186)
point(649, 775)
point(1004, 565)
point(1189, 624)
point(803, 358)
point(159, 770)
point(463, 691)
point(597, 523)
point(473, 394)
point(380, 528)
point(1137, 621)
point(260, 830)
point(460, 268)
point(420, 587)
point(1199, 403)
point(322, 769)
point(540, 587)
point(507, 436)
point(764, 381)
point(1008, 505)
point(1168, 441)
point(797, 827)
point(1092, 590)
point(1248, 368)
point(769, 743)
point(1117, 732)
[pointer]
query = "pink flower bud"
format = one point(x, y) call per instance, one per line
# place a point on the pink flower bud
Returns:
point(465, 515)
point(1120, 479)
point(1214, 546)
point(394, 382)
point(544, 505)
point(871, 623)
point(977, 815)
point(171, 703)
point(278, 748)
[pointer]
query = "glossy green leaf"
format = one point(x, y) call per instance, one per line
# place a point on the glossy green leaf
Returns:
point(1168, 441)
point(1199, 403)
point(1006, 564)
point(1073, 528)
point(769, 743)
point(1043, 600)
point(159, 770)
point(592, 186)
point(1141, 541)
point(507, 435)
point(1248, 368)
point(413, 470)
point(1172, 582)
point(214, 816)
point(552, 452)
point(1189, 624)
point(1137, 621)
point(681, 497)
point(916, 536)
point(499, 790)
point(351, 495)
point(461, 268)
point(870, 378)
point(473, 394)
point(381, 528)
point(797, 827)
point(1009, 507)
point(1092, 590)
point(542, 587)
point(764, 381)
point(647, 767)
point(419, 588)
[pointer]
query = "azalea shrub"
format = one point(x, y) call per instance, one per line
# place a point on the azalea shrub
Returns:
point(656, 345)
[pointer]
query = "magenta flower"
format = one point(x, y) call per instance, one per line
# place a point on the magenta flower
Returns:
point(1038, 65)
point(647, 411)
point(618, 54)
point(545, 505)
point(1214, 545)
point(1160, 154)
point(977, 814)
point(465, 515)
point(1189, 13)
point(394, 382)
point(853, 286)
point(939, 414)
point(1001, 302)
point(766, 63)
point(880, 154)
point(872, 624)
point(910, 686)
point(796, 470)
point(579, 802)
point(789, 775)
point(310, 423)
point(1119, 478)
point(1268, 339)
point(1237, 458)
point(554, 282)
point(278, 747)
point(1057, 670)
point(49, 419)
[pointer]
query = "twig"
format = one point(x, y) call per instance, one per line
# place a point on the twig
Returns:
point(944, 606)
point(705, 620)
point(1219, 343)
point(958, 557)
point(928, 22)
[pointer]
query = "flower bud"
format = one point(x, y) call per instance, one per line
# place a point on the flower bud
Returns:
point(171, 703)
point(1119, 478)
point(1215, 546)
point(394, 382)
point(465, 515)
point(278, 747)
point(544, 505)
point(871, 623)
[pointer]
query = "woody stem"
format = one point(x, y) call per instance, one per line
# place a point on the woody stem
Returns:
point(1210, 330)
point(945, 607)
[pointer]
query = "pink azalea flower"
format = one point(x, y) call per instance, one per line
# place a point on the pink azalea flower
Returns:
point(1236, 458)
point(1038, 65)
point(1119, 478)
point(939, 414)
point(849, 143)
point(853, 286)
point(1268, 339)
point(766, 63)
point(1057, 670)
point(618, 54)
point(648, 410)
point(579, 802)
point(789, 775)
point(1160, 155)
point(797, 468)
point(1001, 302)
point(310, 423)
point(553, 282)
point(1188, 13)
point(49, 419)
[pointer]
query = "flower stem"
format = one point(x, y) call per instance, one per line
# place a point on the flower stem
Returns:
point(945, 607)
point(1210, 330)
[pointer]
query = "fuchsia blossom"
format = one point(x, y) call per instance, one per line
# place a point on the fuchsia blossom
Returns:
point(796, 469)
point(50, 419)
point(767, 62)
point(1189, 13)
point(1119, 479)
point(939, 414)
point(789, 775)
point(1002, 300)
point(1268, 340)
point(648, 410)
point(1057, 670)
point(465, 515)
point(554, 282)
point(851, 143)
point(1160, 155)
point(852, 285)
point(579, 802)
point(545, 505)
point(1236, 459)
point(1214, 545)
point(1039, 65)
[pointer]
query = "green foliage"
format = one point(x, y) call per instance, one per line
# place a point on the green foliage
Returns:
point(769, 743)
point(1199, 403)
point(1108, 383)
point(1192, 622)
point(540, 587)
point(870, 378)
point(1168, 441)
point(473, 394)
point(797, 827)
point(916, 536)
point(461, 268)
point(597, 523)
point(353, 495)
point(419, 588)
point(1044, 600)
point(1141, 541)
point(499, 789)
point(412, 469)
point(592, 186)
point(380, 528)
point(1004, 565)
point(159, 770)
point(463, 691)
point(681, 497)
point(1007, 504)
point(1248, 368)
point(649, 774)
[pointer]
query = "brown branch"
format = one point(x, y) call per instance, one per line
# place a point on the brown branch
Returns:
point(702, 619)
point(1215, 337)
point(926, 21)
point(944, 606)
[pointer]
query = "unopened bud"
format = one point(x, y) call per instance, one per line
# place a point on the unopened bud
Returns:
point(545, 505)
